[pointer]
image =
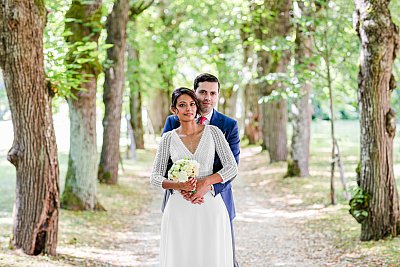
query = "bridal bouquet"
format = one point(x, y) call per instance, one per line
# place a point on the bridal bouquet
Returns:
point(183, 169)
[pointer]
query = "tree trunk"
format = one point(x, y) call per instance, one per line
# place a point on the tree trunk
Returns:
point(278, 64)
point(300, 146)
point(113, 91)
point(252, 123)
point(135, 96)
point(81, 179)
point(301, 109)
point(34, 150)
point(276, 111)
point(252, 129)
point(159, 109)
point(379, 41)
point(274, 16)
point(136, 118)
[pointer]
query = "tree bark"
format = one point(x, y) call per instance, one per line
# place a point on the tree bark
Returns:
point(277, 135)
point(116, 25)
point(136, 121)
point(81, 180)
point(301, 108)
point(34, 150)
point(159, 109)
point(379, 42)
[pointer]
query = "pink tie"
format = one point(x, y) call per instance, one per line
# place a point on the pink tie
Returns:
point(202, 120)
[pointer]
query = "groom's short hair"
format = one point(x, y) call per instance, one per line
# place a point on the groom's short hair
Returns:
point(205, 77)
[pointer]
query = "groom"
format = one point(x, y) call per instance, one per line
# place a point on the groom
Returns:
point(207, 87)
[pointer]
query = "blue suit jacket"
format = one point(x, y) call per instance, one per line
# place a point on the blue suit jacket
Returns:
point(230, 129)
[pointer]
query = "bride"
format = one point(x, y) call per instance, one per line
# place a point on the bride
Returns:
point(194, 235)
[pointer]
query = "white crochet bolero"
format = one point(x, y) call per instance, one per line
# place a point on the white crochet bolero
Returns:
point(211, 141)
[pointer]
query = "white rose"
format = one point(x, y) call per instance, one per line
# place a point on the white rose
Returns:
point(182, 176)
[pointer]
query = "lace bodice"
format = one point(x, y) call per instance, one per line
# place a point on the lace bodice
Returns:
point(211, 141)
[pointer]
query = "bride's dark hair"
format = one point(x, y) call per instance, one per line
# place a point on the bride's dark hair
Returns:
point(185, 91)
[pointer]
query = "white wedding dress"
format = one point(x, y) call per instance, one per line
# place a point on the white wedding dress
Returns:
point(195, 235)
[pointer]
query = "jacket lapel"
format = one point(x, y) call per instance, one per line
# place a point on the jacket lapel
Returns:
point(216, 119)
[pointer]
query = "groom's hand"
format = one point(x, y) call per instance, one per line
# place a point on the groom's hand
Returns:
point(187, 195)
point(201, 190)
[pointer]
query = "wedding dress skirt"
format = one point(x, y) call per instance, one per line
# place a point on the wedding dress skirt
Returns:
point(195, 235)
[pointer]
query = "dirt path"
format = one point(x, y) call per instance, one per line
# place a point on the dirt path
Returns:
point(267, 232)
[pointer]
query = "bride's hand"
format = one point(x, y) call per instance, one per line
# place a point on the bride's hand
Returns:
point(189, 185)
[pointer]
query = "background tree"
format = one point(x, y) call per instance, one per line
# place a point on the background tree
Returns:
point(333, 66)
point(301, 107)
point(82, 32)
point(34, 150)
point(114, 72)
point(273, 58)
point(135, 74)
point(252, 36)
point(380, 41)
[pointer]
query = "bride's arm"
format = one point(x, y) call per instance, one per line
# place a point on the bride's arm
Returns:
point(229, 167)
point(160, 161)
point(160, 166)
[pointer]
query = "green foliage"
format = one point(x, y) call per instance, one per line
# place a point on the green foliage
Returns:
point(359, 204)
point(67, 53)
point(335, 46)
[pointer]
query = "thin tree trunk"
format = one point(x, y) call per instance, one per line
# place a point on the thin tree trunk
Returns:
point(116, 25)
point(136, 121)
point(81, 180)
point(34, 150)
point(379, 42)
point(341, 170)
point(135, 96)
point(264, 126)
point(333, 139)
point(132, 145)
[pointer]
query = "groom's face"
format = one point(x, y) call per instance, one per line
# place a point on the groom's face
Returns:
point(208, 94)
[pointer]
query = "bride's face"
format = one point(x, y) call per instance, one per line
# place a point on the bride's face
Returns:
point(185, 108)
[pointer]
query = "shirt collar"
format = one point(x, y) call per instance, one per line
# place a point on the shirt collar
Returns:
point(209, 115)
